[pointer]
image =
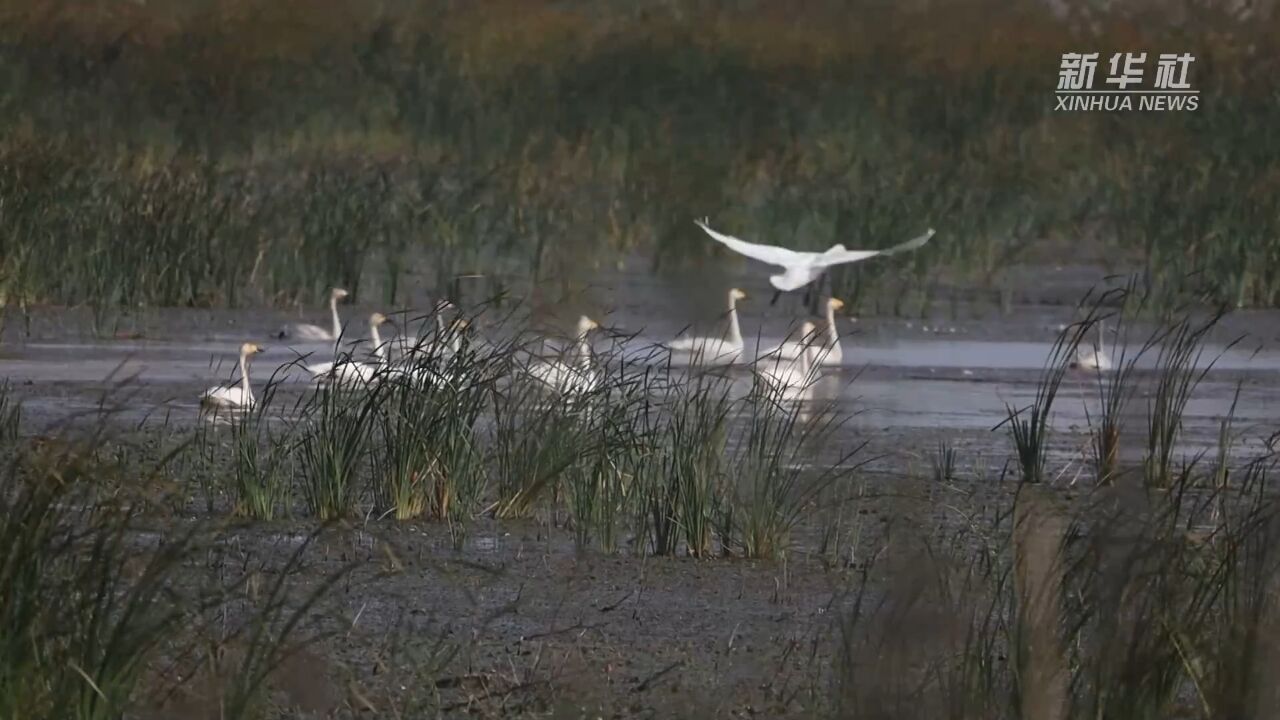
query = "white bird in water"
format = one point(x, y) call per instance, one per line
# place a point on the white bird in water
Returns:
point(715, 351)
point(1092, 357)
point(419, 372)
point(443, 344)
point(314, 333)
point(562, 377)
point(830, 352)
point(791, 378)
point(347, 372)
point(802, 268)
point(233, 396)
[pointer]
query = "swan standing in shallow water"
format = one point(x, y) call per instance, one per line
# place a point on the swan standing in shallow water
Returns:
point(791, 378)
point(1092, 357)
point(349, 373)
point(802, 268)
point(830, 353)
point(238, 397)
point(563, 377)
point(314, 333)
point(716, 351)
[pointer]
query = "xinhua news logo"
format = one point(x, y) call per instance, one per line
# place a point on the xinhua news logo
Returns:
point(1124, 87)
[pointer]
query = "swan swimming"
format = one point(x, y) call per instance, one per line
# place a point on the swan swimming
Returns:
point(830, 353)
point(791, 378)
point(442, 344)
point(233, 396)
point(314, 333)
point(802, 267)
point(716, 351)
point(347, 372)
point(423, 374)
point(562, 377)
point(1092, 357)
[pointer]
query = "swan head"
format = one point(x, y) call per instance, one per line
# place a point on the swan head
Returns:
point(586, 325)
point(835, 304)
point(460, 324)
point(248, 350)
point(377, 319)
point(735, 294)
point(338, 294)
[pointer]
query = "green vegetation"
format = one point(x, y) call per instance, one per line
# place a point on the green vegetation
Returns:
point(1146, 592)
point(179, 153)
point(1150, 595)
point(668, 456)
point(100, 613)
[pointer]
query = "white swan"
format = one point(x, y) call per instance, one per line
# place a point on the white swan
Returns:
point(1092, 357)
point(830, 354)
point(424, 374)
point(441, 345)
point(562, 377)
point(349, 373)
point(803, 268)
point(314, 333)
point(791, 378)
point(233, 396)
point(716, 351)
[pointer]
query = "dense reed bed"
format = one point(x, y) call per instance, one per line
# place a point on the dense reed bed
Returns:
point(175, 153)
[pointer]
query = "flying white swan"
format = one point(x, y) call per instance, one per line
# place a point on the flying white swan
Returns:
point(830, 353)
point(237, 397)
point(803, 268)
point(1094, 356)
point(578, 376)
point(716, 351)
point(791, 378)
point(314, 333)
point(349, 373)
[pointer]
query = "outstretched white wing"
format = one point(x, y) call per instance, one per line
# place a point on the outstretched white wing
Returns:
point(771, 254)
point(838, 255)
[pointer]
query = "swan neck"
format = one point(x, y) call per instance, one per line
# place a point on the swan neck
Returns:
point(244, 378)
point(337, 321)
point(378, 348)
point(735, 332)
point(584, 350)
point(832, 334)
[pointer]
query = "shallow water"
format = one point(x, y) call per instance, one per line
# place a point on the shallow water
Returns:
point(923, 377)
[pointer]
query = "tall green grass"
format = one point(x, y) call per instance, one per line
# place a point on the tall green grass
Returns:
point(1158, 598)
point(262, 469)
point(779, 471)
point(333, 451)
point(10, 415)
point(102, 615)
